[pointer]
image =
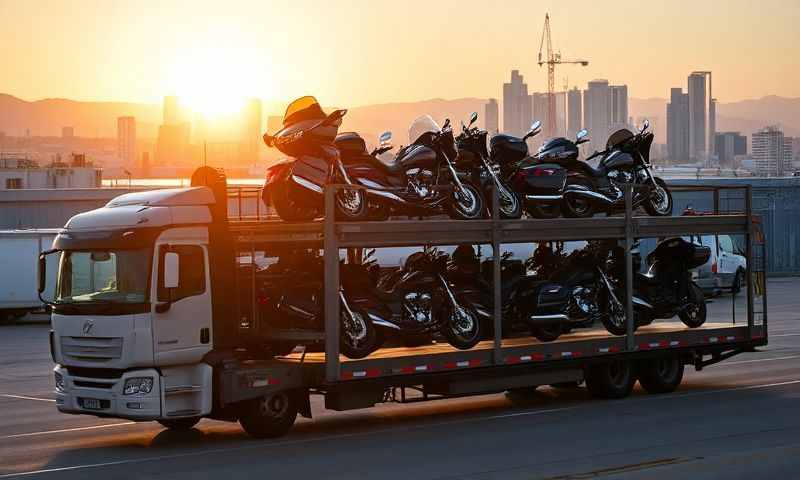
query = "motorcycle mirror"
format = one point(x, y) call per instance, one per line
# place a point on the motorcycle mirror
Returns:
point(269, 140)
point(537, 125)
point(645, 125)
point(473, 118)
point(582, 136)
point(385, 137)
point(446, 124)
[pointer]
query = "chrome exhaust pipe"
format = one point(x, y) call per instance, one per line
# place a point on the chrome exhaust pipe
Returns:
point(589, 195)
point(544, 198)
point(555, 318)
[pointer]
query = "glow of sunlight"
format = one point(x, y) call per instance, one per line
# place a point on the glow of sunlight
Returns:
point(215, 81)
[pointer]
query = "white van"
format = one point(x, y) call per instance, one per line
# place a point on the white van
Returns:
point(726, 268)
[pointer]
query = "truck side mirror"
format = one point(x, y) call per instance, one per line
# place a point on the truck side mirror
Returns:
point(171, 270)
point(41, 273)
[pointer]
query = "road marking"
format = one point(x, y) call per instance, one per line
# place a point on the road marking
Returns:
point(23, 397)
point(65, 430)
point(381, 431)
point(788, 357)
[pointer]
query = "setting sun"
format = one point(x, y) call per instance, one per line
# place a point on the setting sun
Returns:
point(215, 81)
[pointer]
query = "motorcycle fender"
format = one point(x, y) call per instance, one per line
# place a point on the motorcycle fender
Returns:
point(276, 173)
point(310, 173)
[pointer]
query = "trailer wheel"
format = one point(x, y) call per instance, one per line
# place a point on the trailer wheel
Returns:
point(610, 380)
point(661, 375)
point(179, 424)
point(269, 416)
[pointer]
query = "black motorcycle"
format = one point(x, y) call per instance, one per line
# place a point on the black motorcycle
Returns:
point(666, 289)
point(420, 302)
point(295, 316)
point(539, 186)
point(589, 190)
point(473, 158)
point(420, 181)
point(295, 186)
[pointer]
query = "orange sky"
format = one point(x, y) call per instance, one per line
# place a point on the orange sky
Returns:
point(355, 52)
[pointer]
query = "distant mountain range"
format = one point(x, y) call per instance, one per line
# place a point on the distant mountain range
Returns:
point(98, 119)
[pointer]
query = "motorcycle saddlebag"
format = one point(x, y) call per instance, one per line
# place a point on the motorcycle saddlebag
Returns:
point(540, 179)
point(553, 299)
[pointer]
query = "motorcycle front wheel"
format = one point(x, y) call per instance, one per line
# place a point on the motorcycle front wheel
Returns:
point(288, 209)
point(694, 314)
point(462, 328)
point(466, 203)
point(510, 204)
point(613, 318)
point(359, 337)
point(660, 202)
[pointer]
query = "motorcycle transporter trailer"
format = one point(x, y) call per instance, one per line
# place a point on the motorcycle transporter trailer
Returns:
point(266, 394)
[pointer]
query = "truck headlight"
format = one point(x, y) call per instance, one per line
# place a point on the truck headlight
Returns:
point(59, 382)
point(140, 385)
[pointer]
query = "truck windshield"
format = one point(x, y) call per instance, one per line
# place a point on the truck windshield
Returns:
point(103, 276)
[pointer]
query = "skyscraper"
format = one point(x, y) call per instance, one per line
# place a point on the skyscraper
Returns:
point(596, 112)
point(678, 125)
point(697, 116)
point(540, 111)
point(729, 145)
point(516, 105)
point(251, 131)
point(126, 141)
point(770, 153)
point(492, 116)
point(575, 112)
point(171, 111)
point(618, 96)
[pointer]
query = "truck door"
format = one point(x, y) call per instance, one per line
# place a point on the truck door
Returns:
point(182, 314)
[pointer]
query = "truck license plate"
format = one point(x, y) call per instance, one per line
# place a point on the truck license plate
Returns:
point(91, 404)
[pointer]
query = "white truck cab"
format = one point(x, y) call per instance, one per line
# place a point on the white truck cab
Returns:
point(132, 312)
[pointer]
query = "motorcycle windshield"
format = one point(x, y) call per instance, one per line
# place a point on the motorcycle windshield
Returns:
point(420, 126)
point(304, 108)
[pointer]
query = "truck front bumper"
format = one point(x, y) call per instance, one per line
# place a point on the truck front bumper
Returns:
point(104, 397)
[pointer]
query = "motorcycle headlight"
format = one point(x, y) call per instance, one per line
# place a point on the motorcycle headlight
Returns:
point(138, 385)
point(59, 382)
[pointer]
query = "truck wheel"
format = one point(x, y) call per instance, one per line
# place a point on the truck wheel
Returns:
point(610, 380)
point(270, 416)
point(661, 375)
point(179, 424)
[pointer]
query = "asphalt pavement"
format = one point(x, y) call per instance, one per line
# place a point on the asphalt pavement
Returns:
point(737, 419)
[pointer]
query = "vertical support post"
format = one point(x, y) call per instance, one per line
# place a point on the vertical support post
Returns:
point(253, 310)
point(748, 210)
point(716, 201)
point(331, 287)
point(258, 205)
point(497, 281)
point(629, 339)
point(240, 203)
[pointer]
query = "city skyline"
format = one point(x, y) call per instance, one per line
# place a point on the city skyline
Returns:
point(224, 54)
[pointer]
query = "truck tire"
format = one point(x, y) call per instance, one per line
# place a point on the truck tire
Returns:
point(661, 375)
point(179, 424)
point(610, 380)
point(270, 416)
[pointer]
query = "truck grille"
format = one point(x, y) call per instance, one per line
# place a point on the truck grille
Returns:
point(92, 348)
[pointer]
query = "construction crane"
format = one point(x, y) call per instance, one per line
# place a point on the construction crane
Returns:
point(552, 59)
